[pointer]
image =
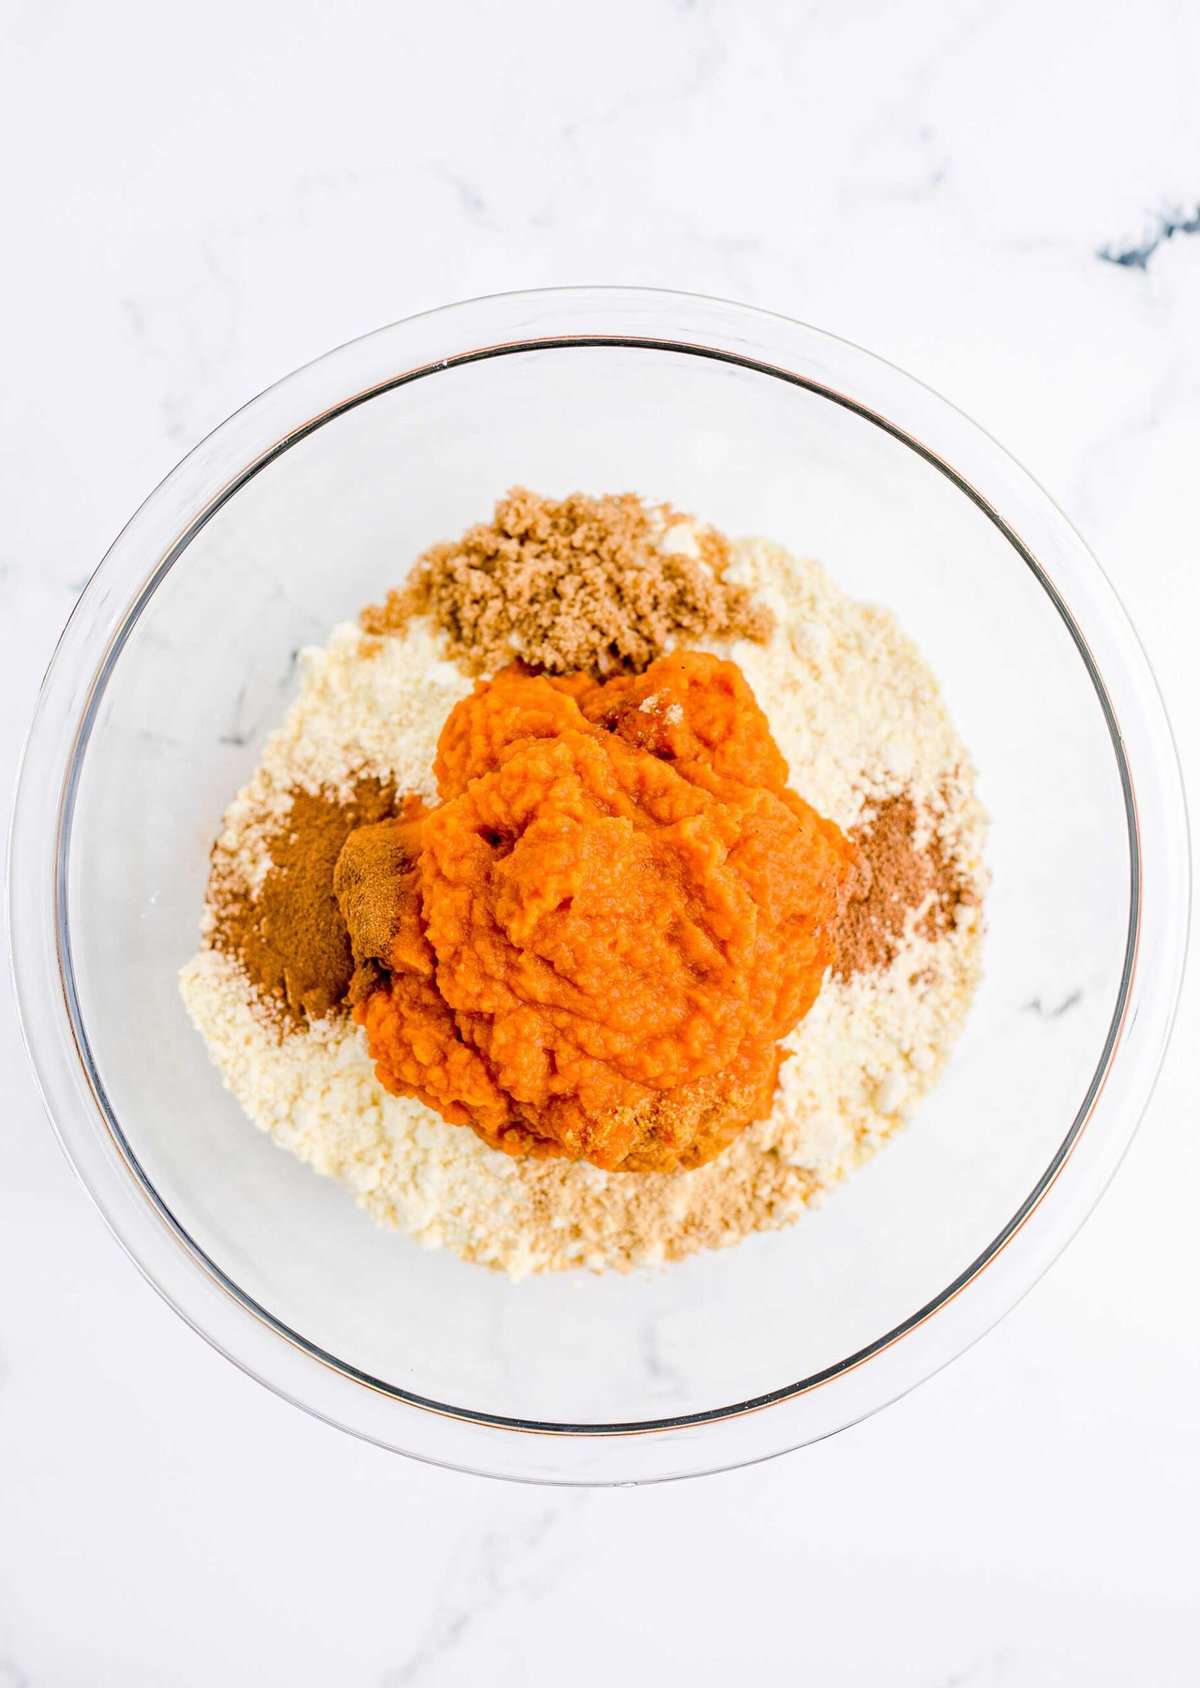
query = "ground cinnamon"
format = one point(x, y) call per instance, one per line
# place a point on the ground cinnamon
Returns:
point(369, 871)
point(950, 890)
point(288, 935)
point(903, 876)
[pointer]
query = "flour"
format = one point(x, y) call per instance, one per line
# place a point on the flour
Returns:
point(367, 707)
point(851, 704)
point(859, 718)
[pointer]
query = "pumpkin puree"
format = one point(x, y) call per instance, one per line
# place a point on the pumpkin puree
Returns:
point(591, 947)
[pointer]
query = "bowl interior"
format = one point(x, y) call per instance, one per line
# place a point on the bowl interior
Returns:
point(208, 666)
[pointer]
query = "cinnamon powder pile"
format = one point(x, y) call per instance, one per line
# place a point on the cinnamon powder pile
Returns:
point(288, 935)
point(903, 876)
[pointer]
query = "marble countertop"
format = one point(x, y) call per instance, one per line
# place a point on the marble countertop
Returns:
point(1004, 199)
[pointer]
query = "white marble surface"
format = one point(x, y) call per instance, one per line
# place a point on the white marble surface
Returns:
point(202, 200)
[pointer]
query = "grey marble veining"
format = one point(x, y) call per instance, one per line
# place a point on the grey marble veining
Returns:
point(1166, 226)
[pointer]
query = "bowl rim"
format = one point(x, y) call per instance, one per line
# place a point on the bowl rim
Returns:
point(419, 348)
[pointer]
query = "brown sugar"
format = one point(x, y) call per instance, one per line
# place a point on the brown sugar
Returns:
point(579, 584)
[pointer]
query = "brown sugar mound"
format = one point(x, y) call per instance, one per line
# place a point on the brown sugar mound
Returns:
point(576, 585)
point(594, 943)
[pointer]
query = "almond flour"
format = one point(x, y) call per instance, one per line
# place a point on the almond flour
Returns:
point(859, 719)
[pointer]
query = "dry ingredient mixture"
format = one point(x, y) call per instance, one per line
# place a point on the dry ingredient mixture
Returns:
point(859, 721)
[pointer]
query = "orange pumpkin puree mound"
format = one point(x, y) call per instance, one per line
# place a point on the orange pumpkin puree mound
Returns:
point(597, 938)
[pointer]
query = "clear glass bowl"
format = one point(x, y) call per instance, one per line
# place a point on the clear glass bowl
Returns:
point(180, 656)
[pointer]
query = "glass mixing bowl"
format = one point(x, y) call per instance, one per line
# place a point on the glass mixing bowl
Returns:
point(179, 658)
